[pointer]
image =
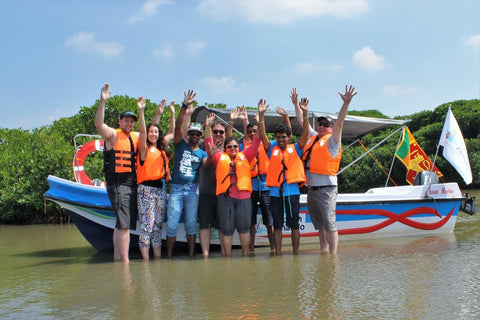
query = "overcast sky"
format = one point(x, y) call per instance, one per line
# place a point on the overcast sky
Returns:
point(403, 56)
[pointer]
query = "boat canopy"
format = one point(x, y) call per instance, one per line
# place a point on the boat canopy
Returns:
point(354, 126)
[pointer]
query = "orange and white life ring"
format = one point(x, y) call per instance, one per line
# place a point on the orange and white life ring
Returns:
point(79, 159)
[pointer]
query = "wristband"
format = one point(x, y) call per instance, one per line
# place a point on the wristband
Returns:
point(184, 105)
point(261, 121)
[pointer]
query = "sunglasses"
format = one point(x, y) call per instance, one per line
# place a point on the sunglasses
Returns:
point(324, 124)
point(218, 131)
point(195, 133)
point(234, 146)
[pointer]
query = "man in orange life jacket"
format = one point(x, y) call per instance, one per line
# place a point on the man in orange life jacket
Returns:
point(322, 155)
point(120, 175)
point(285, 175)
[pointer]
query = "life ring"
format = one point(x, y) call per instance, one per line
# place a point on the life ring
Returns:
point(79, 159)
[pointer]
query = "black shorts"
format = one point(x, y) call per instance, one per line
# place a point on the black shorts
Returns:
point(261, 199)
point(207, 211)
point(124, 202)
point(234, 214)
point(288, 207)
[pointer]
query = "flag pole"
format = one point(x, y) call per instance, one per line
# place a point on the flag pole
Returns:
point(438, 145)
point(393, 160)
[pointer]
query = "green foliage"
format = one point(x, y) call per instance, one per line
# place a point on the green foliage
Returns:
point(28, 157)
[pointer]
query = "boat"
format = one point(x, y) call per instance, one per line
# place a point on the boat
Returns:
point(425, 208)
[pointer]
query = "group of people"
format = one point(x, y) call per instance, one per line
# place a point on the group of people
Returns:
point(220, 181)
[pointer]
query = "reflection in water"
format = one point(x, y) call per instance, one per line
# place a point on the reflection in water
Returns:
point(52, 273)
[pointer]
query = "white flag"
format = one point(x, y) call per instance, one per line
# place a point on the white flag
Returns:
point(454, 149)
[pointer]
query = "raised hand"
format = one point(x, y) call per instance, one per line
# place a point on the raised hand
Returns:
point(294, 96)
point(161, 106)
point(304, 106)
point(234, 114)
point(262, 106)
point(105, 94)
point(141, 103)
point(281, 111)
point(172, 107)
point(242, 113)
point(255, 116)
point(189, 97)
point(210, 119)
point(349, 94)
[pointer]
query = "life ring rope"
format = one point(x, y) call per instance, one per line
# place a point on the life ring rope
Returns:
point(79, 159)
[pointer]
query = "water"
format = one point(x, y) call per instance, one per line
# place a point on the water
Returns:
point(50, 272)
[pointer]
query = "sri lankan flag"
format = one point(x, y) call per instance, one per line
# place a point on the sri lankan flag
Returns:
point(413, 157)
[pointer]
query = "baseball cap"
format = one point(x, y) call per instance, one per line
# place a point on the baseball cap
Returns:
point(128, 114)
point(326, 118)
point(195, 126)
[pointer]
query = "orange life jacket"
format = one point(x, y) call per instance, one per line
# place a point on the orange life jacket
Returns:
point(285, 165)
point(259, 165)
point(121, 158)
point(224, 171)
point(321, 161)
point(155, 166)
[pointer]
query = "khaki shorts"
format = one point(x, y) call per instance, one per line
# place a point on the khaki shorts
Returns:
point(321, 206)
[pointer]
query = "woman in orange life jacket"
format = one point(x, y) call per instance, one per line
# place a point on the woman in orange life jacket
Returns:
point(152, 175)
point(284, 177)
point(259, 168)
point(234, 187)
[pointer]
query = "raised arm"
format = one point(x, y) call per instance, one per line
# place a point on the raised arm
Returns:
point(262, 108)
point(231, 123)
point(159, 112)
point(298, 110)
point(303, 106)
point(142, 138)
point(243, 115)
point(171, 129)
point(347, 98)
point(179, 124)
point(284, 115)
point(109, 134)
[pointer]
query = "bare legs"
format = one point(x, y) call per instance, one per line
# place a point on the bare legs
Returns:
point(121, 244)
point(191, 244)
point(205, 235)
point(328, 240)
point(253, 232)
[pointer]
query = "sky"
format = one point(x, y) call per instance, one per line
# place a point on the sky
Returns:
point(403, 56)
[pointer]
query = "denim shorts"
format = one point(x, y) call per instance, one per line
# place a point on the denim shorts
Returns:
point(183, 197)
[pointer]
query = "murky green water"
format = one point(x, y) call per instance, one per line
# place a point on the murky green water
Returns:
point(51, 272)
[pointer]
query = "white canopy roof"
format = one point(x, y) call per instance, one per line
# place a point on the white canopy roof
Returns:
point(354, 126)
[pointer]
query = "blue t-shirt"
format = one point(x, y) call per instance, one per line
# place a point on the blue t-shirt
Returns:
point(187, 163)
point(259, 182)
point(289, 189)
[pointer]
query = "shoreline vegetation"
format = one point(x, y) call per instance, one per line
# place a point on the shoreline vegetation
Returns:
point(27, 157)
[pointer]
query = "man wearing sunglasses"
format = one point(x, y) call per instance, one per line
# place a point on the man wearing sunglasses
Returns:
point(207, 201)
point(184, 187)
point(322, 155)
